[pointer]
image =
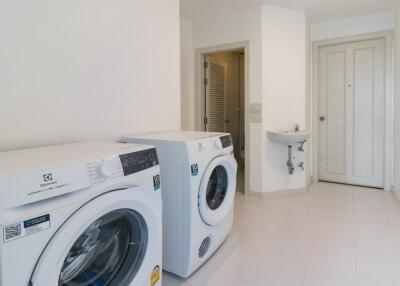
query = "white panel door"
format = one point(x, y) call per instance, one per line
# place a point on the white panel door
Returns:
point(352, 113)
point(215, 87)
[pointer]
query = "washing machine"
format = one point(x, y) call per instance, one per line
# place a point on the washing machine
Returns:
point(198, 170)
point(81, 214)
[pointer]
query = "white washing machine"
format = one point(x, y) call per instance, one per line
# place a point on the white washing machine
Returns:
point(81, 214)
point(198, 170)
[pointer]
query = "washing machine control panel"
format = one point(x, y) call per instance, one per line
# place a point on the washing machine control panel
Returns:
point(139, 161)
point(110, 169)
point(101, 170)
point(122, 165)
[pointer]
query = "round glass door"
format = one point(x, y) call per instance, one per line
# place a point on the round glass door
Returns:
point(108, 253)
point(217, 187)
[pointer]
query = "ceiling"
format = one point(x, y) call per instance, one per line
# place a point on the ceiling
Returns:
point(317, 10)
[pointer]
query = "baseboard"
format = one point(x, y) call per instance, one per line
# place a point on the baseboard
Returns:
point(282, 193)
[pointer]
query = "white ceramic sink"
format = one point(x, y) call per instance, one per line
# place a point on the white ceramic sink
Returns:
point(288, 137)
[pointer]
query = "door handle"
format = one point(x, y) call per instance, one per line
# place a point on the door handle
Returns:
point(322, 118)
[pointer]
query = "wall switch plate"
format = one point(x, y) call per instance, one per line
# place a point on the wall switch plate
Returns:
point(255, 114)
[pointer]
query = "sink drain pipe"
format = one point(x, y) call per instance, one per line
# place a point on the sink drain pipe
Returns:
point(290, 161)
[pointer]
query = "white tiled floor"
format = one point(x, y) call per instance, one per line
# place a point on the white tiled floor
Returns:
point(334, 235)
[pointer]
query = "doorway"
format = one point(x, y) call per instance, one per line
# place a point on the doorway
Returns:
point(353, 112)
point(222, 108)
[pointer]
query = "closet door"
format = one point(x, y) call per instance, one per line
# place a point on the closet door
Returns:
point(215, 87)
point(352, 119)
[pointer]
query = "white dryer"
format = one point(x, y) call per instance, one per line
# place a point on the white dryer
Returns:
point(81, 214)
point(198, 170)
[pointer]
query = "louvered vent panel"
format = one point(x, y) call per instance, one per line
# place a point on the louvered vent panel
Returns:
point(205, 245)
point(216, 98)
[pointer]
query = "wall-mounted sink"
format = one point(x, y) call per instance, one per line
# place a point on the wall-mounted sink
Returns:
point(288, 137)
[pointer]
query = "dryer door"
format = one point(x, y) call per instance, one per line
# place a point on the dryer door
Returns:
point(112, 240)
point(217, 189)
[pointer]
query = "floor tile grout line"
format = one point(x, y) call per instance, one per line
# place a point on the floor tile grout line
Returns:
point(386, 213)
point(389, 221)
point(311, 251)
point(253, 281)
point(355, 238)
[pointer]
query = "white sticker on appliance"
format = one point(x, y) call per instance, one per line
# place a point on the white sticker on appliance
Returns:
point(25, 228)
point(39, 185)
point(12, 232)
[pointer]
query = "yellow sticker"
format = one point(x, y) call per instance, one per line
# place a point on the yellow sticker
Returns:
point(155, 275)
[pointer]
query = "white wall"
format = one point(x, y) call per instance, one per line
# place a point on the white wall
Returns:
point(87, 70)
point(352, 26)
point(277, 81)
point(244, 25)
point(284, 92)
point(188, 105)
point(397, 106)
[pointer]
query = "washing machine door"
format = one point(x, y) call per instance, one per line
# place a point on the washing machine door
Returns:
point(112, 240)
point(217, 189)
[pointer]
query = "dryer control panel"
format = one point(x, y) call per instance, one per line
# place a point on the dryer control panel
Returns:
point(226, 141)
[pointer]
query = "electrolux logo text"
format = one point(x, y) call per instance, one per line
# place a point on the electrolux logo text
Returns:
point(47, 177)
point(48, 180)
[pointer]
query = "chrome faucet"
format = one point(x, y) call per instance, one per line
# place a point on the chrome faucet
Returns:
point(301, 147)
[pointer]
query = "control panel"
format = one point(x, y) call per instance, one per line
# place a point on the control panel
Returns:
point(101, 170)
point(217, 144)
point(226, 141)
point(139, 161)
point(122, 165)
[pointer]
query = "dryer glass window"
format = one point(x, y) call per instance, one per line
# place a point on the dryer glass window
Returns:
point(108, 253)
point(217, 187)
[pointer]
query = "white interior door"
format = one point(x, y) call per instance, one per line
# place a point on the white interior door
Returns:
point(215, 92)
point(352, 113)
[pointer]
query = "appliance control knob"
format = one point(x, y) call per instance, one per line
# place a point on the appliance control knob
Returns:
point(107, 169)
point(216, 144)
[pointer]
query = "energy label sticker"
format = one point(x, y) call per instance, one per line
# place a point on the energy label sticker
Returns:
point(25, 228)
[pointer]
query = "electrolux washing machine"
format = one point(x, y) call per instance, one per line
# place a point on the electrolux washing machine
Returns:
point(81, 214)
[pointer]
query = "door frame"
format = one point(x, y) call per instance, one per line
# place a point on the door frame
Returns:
point(387, 36)
point(200, 92)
